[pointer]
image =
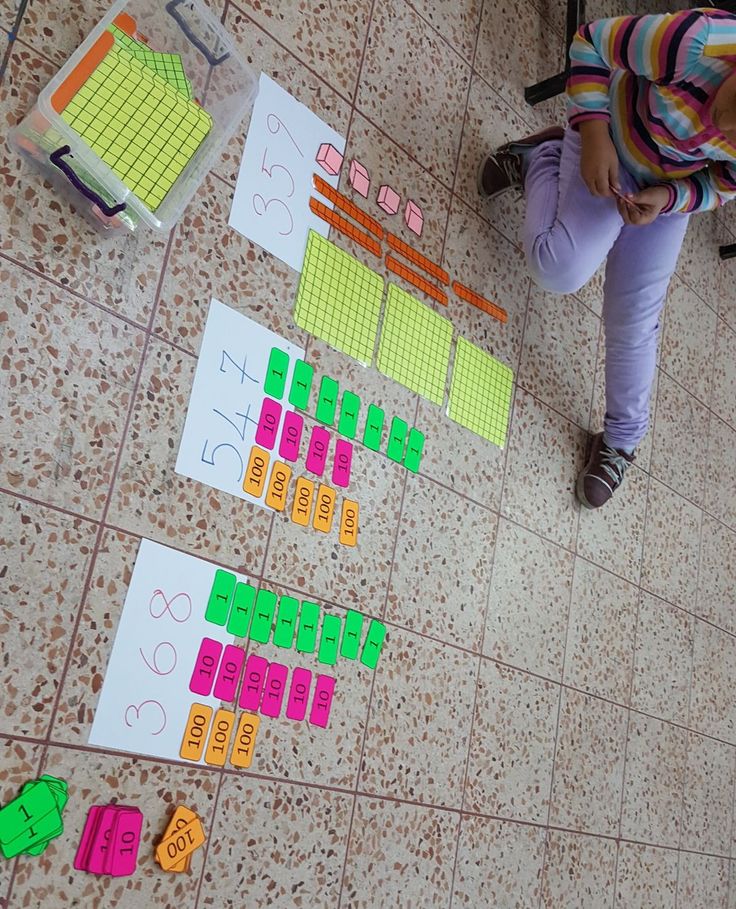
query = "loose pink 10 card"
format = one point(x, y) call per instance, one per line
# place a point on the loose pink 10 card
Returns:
point(253, 681)
point(268, 423)
point(322, 703)
point(291, 436)
point(228, 675)
point(319, 444)
point(343, 463)
point(273, 694)
point(203, 677)
point(296, 707)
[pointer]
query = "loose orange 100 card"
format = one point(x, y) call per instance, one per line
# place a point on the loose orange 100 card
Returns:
point(302, 507)
point(325, 509)
point(255, 472)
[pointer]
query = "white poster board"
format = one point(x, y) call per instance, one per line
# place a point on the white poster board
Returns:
point(271, 201)
point(145, 697)
point(226, 399)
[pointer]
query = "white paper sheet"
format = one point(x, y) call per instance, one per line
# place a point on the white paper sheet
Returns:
point(226, 399)
point(271, 201)
point(145, 698)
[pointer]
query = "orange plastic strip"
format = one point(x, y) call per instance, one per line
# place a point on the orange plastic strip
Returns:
point(465, 293)
point(416, 258)
point(350, 208)
point(398, 268)
point(82, 71)
point(126, 23)
point(344, 226)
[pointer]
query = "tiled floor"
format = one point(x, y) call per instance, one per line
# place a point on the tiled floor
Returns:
point(553, 723)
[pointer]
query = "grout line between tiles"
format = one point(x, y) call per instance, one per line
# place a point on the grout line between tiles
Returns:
point(208, 841)
point(343, 790)
point(370, 696)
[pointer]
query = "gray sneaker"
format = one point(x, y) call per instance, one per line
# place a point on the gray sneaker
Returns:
point(502, 170)
point(603, 473)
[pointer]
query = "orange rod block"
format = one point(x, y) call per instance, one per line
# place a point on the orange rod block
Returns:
point(416, 258)
point(398, 268)
point(344, 226)
point(465, 293)
point(350, 208)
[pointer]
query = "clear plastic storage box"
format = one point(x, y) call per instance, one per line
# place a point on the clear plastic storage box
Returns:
point(222, 83)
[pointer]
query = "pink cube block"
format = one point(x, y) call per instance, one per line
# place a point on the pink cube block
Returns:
point(359, 178)
point(389, 199)
point(329, 159)
point(414, 217)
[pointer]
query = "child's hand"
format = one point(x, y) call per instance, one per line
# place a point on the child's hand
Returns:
point(598, 158)
point(643, 207)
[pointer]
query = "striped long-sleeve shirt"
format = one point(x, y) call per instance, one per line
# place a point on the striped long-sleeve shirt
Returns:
point(653, 79)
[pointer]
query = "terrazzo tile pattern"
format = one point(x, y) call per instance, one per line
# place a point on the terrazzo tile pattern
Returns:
point(552, 723)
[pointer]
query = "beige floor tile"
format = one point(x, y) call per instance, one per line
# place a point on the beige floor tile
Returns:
point(281, 844)
point(680, 440)
point(708, 801)
point(671, 545)
point(687, 340)
point(656, 757)
point(713, 700)
point(69, 375)
point(332, 45)
point(512, 749)
point(399, 854)
point(419, 725)
point(545, 455)
point(599, 655)
point(663, 660)
point(717, 578)
point(529, 602)
point(702, 881)
point(589, 764)
point(578, 871)
point(394, 93)
point(442, 565)
point(645, 877)
point(42, 574)
point(512, 878)
point(558, 359)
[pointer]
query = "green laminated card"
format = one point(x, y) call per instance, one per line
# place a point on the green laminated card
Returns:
point(241, 611)
point(218, 605)
point(167, 66)
point(373, 644)
point(414, 450)
point(260, 627)
point(415, 345)
point(480, 393)
point(339, 299)
point(373, 432)
point(306, 636)
point(283, 635)
point(351, 635)
point(329, 640)
point(396, 440)
point(327, 401)
point(301, 385)
point(275, 381)
point(144, 129)
point(349, 410)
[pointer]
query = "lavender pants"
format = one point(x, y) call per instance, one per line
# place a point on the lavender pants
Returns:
point(567, 235)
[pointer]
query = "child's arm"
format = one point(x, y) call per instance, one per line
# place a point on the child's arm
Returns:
point(661, 48)
point(705, 190)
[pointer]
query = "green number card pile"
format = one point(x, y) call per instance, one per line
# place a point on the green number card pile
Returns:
point(33, 819)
